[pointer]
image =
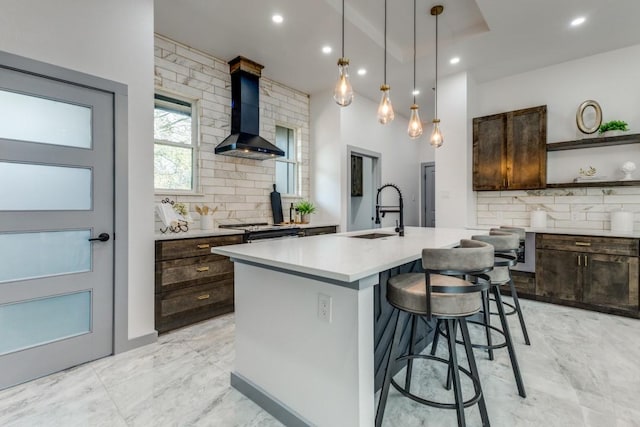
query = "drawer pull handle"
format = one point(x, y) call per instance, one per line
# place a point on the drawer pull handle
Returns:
point(202, 269)
point(583, 244)
point(204, 296)
point(204, 246)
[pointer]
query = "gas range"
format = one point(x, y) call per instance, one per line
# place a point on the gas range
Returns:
point(262, 230)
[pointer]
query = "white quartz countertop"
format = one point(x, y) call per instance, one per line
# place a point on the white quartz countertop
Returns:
point(196, 232)
point(344, 258)
point(572, 231)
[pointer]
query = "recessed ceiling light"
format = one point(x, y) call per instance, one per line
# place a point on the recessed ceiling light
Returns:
point(578, 21)
point(454, 60)
point(277, 18)
point(416, 92)
point(362, 71)
point(326, 50)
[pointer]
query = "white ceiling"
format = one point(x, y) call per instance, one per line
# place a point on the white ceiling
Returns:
point(493, 38)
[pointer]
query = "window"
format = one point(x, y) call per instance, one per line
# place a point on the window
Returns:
point(175, 149)
point(287, 166)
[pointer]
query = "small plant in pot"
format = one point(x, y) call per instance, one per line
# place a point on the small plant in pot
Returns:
point(613, 128)
point(305, 208)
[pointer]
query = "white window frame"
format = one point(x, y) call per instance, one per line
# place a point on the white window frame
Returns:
point(297, 161)
point(195, 141)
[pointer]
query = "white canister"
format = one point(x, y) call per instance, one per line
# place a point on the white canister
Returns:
point(538, 218)
point(206, 222)
point(622, 221)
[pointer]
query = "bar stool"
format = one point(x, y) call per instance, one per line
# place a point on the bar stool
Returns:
point(506, 246)
point(515, 308)
point(439, 294)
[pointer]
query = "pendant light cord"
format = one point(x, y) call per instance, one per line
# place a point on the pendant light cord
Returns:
point(436, 94)
point(385, 42)
point(414, 51)
point(343, 28)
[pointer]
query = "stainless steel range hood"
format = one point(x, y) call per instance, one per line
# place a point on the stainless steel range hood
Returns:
point(244, 140)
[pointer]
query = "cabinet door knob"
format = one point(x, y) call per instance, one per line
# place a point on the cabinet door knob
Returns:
point(202, 269)
point(204, 246)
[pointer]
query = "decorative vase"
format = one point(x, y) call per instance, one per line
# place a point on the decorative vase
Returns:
point(206, 222)
point(613, 133)
point(305, 218)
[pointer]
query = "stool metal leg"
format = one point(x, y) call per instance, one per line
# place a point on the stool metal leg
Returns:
point(412, 345)
point(507, 337)
point(514, 295)
point(384, 392)
point(486, 309)
point(474, 371)
point(436, 337)
point(457, 389)
point(450, 370)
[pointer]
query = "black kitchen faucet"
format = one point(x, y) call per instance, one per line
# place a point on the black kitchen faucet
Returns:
point(388, 209)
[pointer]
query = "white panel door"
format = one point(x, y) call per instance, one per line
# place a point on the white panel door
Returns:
point(56, 199)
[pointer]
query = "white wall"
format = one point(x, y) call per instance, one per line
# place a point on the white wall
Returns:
point(611, 79)
point(333, 128)
point(454, 200)
point(112, 40)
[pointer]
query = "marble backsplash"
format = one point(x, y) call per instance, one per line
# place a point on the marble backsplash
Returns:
point(566, 208)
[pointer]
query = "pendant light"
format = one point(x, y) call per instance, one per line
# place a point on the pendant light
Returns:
point(343, 92)
point(385, 109)
point(415, 125)
point(436, 136)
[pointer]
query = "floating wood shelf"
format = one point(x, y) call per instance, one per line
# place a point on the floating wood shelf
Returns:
point(593, 184)
point(633, 138)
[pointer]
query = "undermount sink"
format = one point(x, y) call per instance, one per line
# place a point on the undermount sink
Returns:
point(373, 235)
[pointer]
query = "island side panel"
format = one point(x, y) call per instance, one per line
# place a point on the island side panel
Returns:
point(322, 372)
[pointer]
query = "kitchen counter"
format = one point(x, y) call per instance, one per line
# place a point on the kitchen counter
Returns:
point(196, 232)
point(304, 337)
point(571, 231)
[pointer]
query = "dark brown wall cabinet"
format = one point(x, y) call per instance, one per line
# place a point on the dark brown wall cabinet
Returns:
point(510, 150)
point(192, 284)
point(591, 272)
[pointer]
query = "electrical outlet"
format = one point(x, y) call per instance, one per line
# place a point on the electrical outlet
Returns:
point(324, 307)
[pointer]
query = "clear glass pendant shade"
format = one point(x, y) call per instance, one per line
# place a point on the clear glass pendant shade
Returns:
point(436, 136)
point(385, 109)
point(415, 125)
point(343, 92)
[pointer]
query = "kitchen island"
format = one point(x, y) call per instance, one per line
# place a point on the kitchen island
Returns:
point(305, 319)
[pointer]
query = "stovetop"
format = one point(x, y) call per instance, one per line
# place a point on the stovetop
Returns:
point(259, 226)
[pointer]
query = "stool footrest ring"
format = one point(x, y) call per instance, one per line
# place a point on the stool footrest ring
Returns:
point(480, 346)
point(472, 401)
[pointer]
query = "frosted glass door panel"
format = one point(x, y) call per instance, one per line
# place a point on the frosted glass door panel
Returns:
point(29, 187)
point(51, 253)
point(41, 321)
point(29, 118)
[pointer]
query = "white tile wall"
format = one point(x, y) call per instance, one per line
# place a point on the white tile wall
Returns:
point(566, 208)
point(239, 188)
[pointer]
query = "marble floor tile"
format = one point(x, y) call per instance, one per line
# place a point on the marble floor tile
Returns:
point(581, 370)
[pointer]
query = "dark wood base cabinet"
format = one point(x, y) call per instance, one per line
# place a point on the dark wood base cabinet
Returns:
point(599, 273)
point(192, 284)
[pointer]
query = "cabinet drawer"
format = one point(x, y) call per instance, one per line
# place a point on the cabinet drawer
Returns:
point(179, 273)
point(186, 306)
point(316, 231)
point(182, 248)
point(588, 244)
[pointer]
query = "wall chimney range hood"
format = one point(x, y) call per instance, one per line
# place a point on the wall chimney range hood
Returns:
point(244, 140)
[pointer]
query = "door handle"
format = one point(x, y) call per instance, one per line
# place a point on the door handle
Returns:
point(103, 237)
point(579, 257)
point(586, 262)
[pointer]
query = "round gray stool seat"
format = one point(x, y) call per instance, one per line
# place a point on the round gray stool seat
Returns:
point(408, 292)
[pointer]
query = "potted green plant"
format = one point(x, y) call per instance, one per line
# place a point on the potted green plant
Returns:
point(613, 128)
point(305, 208)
